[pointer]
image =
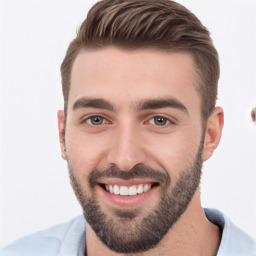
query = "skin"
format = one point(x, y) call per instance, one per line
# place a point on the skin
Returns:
point(129, 136)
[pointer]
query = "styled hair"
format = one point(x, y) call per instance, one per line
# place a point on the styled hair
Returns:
point(134, 24)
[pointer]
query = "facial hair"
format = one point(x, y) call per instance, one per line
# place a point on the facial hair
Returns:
point(127, 230)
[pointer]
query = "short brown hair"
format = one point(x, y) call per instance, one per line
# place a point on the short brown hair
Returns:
point(134, 24)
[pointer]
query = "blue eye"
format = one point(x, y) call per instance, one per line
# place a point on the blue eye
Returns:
point(96, 120)
point(159, 121)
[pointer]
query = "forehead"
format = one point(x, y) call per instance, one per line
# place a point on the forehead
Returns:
point(127, 76)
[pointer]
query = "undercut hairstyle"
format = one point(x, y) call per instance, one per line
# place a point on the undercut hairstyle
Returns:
point(138, 24)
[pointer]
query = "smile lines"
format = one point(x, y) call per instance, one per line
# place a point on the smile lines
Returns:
point(127, 191)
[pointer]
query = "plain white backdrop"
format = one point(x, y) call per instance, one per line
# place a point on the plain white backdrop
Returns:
point(35, 190)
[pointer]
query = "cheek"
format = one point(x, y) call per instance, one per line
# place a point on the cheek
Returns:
point(85, 152)
point(174, 153)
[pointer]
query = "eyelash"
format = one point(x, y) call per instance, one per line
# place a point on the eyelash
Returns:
point(106, 121)
point(86, 120)
point(167, 121)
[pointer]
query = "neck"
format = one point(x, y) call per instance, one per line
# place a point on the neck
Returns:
point(193, 234)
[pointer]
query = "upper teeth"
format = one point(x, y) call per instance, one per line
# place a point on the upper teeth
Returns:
point(128, 191)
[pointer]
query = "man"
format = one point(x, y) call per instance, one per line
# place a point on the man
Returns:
point(140, 86)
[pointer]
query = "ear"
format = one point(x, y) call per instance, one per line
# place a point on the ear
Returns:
point(213, 132)
point(61, 128)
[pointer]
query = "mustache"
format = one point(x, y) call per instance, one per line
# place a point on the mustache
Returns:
point(138, 171)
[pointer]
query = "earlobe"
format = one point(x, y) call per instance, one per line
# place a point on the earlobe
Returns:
point(61, 129)
point(213, 132)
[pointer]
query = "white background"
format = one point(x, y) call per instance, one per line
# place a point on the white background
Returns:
point(35, 190)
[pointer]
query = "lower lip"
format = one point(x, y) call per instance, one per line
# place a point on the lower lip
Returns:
point(128, 201)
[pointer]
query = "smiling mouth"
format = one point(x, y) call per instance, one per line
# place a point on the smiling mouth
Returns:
point(128, 190)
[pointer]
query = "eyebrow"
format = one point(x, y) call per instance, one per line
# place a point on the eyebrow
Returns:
point(93, 103)
point(143, 105)
point(161, 103)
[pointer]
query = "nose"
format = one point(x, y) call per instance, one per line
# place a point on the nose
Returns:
point(126, 150)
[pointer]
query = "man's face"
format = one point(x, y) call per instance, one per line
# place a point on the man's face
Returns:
point(133, 141)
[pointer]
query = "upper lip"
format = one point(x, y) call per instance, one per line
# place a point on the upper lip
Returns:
point(120, 182)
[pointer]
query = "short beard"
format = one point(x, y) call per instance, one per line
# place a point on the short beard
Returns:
point(127, 231)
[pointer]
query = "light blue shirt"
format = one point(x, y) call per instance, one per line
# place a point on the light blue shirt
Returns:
point(68, 239)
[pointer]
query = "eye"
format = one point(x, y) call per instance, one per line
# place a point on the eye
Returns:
point(95, 120)
point(159, 121)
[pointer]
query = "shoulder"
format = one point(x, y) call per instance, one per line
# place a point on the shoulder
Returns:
point(234, 241)
point(47, 242)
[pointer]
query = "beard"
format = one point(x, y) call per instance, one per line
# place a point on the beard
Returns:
point(128, 230)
